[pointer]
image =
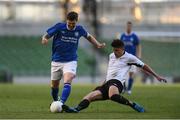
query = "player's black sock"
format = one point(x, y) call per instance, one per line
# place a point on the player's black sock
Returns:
point(121, 99)
point(83, 104)
point(54, 93)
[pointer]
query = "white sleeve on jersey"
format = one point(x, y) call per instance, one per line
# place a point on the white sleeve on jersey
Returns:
point(133, 60)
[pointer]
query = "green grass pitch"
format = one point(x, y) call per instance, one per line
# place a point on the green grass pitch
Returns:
point(32, 101)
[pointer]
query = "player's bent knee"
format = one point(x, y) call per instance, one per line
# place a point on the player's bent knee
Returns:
point(113, 90)
point(54, 83)
point(88, 97)
point(68, 77)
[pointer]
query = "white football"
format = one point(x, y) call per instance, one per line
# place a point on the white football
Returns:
point(56, 107)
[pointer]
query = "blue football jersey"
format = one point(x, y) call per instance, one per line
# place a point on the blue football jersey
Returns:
point(65, 42)
point(130, 42)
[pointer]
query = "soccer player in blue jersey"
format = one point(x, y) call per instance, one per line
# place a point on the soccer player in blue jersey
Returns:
point(132, 46)
point(64, 53)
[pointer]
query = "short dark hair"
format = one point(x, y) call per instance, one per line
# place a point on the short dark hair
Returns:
point(116, 43)
point(72, 16)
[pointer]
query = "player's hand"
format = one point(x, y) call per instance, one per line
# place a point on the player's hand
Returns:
point(44, 41)
point(161, 79)
point(101, 45)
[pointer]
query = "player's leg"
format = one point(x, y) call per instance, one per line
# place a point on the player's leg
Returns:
point(99, 93)
point(115, 88)
point(131, 79)
point(69, 73)
point(92, 96)
point(56, 75)
point(116, 97)
point(55, 89)
point(124, 88)
point(68, 77)
point(114, 94)
point(130, 82)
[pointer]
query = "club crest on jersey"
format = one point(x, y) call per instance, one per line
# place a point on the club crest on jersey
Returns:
point(76, 34)
point(131, 39)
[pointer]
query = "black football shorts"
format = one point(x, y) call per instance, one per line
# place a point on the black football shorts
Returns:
point(104, 89)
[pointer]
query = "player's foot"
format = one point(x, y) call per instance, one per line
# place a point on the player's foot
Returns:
point(138, 108)
point(69, 109)
point(129, 92)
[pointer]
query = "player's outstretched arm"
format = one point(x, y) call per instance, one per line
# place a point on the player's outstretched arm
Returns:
point(139, 51)
point(45, 38)
point(148, 69)
point(93, 40)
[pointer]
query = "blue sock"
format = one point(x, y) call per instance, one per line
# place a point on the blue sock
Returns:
point(66, 92)
point(130, 83)
point(54, 93)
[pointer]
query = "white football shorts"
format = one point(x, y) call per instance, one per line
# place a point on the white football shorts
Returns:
point(59, 68)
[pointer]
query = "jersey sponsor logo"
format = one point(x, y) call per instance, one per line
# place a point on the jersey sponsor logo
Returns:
point(69, 39)
point(128, 43)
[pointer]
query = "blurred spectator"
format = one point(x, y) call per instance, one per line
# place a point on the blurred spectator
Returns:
point(132, 46)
